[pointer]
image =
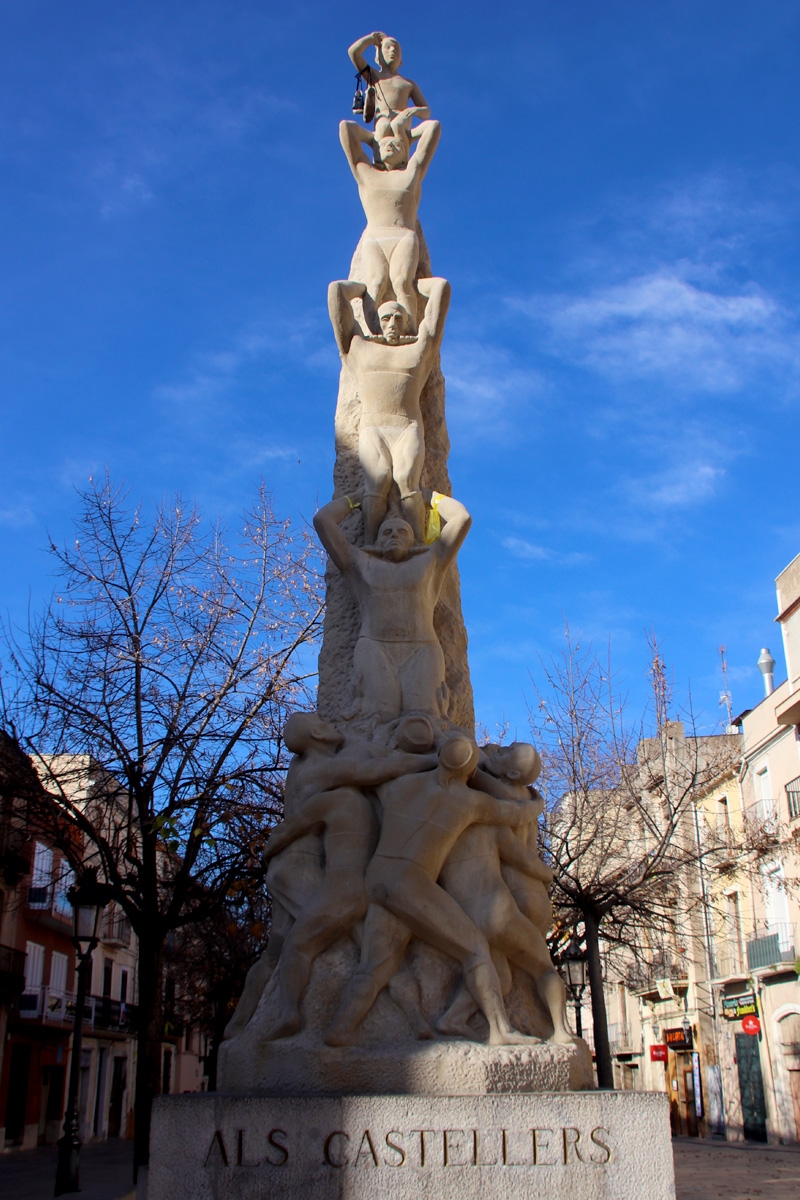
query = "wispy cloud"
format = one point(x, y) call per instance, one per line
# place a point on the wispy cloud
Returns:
point(16, 516)
point(664, 326)
point(531, 552)
point(213, 373)
point(486, 381)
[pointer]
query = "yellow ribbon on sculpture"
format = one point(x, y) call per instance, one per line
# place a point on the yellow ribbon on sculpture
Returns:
point(433, 526)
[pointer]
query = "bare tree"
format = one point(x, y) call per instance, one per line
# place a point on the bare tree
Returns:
point(616, 830)
point(150, 696)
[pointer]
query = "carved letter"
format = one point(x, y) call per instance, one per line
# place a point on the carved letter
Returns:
point(240, 1150)
point(602, 1145)
point(571, 1137)
point(397, 1149)
point(447, 1148)
point(475, 1153)
point(366, 1138)
point(218, 1142)
point(326, 1150)
point(422, 1133)
point(282, 1150)
point(540, 1145)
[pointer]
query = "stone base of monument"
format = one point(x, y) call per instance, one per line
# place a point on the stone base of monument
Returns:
point(575, 1145)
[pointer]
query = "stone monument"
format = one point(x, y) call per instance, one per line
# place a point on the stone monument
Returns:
point(406, 1013)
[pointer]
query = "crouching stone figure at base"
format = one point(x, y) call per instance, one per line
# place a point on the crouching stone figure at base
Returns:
point(423, 816)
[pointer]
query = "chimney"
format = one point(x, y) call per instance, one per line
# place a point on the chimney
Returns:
point(766, 665)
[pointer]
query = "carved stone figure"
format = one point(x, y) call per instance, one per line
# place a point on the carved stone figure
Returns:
point(472, 876)
point(392, 91)
point(351, 830)
point(398, 662)
point(390, 191)
point(316, 905)
point(390, 376)
point(422, 819)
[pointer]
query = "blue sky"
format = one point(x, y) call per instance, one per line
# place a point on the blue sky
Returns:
point(615, 203)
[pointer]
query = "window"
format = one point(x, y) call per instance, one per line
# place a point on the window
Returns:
point(123, 986)
point(58, 973)
point(41, 877)
point(108, 975)
point(34, 966)
point(65, 880)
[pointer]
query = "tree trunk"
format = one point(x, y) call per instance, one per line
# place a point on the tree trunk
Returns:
point(150, 1035)
point(602, 1049)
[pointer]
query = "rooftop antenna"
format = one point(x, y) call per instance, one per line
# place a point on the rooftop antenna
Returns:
point(725, 697)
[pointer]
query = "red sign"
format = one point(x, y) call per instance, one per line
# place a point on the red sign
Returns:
point(751, 1025)
point(658, 1053)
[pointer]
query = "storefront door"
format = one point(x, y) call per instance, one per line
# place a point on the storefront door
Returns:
point(751, 1087)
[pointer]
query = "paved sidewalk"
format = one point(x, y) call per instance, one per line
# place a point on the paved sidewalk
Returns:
point(709, 1169)
point(106, 1172)
point(704, 1169)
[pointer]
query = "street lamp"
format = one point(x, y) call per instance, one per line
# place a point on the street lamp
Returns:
point(573, 960)
point(88, 899)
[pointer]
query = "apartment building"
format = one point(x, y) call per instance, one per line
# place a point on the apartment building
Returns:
point(37, 1006)
point(712, 1015)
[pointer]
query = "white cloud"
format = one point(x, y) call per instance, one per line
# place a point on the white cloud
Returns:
point(679, 486)
point(485, 381)
point(530, 552)
point(662, 326)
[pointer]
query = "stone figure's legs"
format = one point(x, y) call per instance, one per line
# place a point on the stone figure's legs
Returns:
point(383, 946)
point(455, 1021)
point(403, 262)
point(375, 271)
point(376, 463)
point(340, 902)
point(408, 456)
point(375, 679)
point(421, 680)
point(435, 917)
point(526, 946)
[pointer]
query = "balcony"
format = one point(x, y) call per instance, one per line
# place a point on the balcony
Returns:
point(762, 822)
point(658, 977)
point(771, 946)
point(51, 1007)
point(117, 929)
point(793, 798)
point(49, 905)
point(12, 973)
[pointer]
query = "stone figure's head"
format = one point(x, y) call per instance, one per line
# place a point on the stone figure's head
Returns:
point(414, 734)
point(304, 730)
point(388, 54)
point(518, 762)
point(394, 321)
point(459, 756)
point(395, 539)
point(392, 152)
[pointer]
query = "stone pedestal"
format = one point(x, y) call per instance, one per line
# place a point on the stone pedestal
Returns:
point(575, 1145)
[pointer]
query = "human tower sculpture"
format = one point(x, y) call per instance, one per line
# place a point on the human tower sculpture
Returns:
point(404, 878)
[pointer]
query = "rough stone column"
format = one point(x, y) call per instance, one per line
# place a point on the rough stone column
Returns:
point(341, 614)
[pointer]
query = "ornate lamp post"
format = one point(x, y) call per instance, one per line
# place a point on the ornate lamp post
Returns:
point(573, 961)
point(88, 900)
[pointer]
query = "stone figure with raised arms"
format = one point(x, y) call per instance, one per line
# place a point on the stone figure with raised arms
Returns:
point(422, 817)
point(398, 662)
point(390, 189)
point(395, 96)
point(390, 373)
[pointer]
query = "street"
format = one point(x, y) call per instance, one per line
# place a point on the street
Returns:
point(705, 1170)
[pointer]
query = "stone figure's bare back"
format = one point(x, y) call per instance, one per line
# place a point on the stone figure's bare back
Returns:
point(390, 378)
point(390, 198)
point(397, 600)
point(422, 820)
